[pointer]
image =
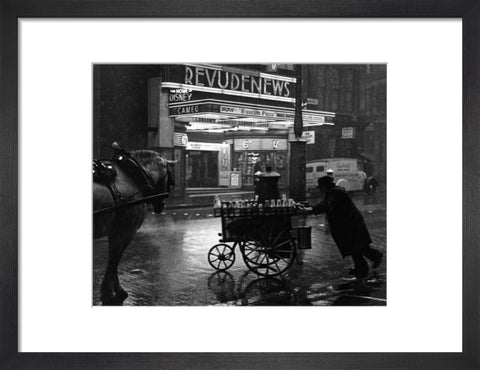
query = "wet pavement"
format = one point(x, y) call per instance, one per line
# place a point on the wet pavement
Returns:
point(166, 264)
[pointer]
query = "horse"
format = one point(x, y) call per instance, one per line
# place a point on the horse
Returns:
point(121, 223)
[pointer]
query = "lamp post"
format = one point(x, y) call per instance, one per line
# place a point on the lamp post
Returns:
point(298, 150)
point(298, 121)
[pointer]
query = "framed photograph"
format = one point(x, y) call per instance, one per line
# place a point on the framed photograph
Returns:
point(221, 134)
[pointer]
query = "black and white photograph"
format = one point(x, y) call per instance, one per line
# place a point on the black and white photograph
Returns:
point(174, 172)
point(239, 184)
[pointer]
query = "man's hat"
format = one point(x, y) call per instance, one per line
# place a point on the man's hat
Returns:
point(330, 171)
point(325, 181)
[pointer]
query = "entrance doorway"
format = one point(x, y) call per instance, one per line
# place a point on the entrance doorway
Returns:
point(202, 169)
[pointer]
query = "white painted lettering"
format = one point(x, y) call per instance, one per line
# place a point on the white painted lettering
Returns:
point(266, 82)
point(245, 79)
point(256, 86)
point(179, 97)
point(211, 78)
point(277, 87)
point(225, 85)
point(235, 82)
point(287, 92)
point(199, 72)
point(188, 75)
point(214, 78)
point(188, 110)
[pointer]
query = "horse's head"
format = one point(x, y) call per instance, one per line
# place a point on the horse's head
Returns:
point(160, 171)
point(164, 185)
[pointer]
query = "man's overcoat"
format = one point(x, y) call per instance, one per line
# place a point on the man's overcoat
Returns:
point(346, 222)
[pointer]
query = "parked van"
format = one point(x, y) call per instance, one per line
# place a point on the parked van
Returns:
point(347, 173)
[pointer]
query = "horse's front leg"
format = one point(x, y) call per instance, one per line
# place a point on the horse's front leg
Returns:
point(121, 293)
point(111, 291)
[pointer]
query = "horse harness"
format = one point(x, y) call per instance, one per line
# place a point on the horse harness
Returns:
point(104, 173)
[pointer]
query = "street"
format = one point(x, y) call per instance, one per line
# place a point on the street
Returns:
point(166, 264)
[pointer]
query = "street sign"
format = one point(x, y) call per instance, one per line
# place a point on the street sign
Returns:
point(309, 136)
point(312, 101)
point(348, 132)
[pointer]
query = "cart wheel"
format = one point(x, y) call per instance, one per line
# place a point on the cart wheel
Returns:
point(221, 257)
point(270, 255)
point(371, 186)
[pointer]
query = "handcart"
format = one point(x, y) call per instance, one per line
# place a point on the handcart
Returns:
point(264, 234)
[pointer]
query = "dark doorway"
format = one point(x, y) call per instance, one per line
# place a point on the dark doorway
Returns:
point(202, 169)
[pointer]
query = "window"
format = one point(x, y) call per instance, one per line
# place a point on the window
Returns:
point(360, 165)
point(320, 168)
point(309, 169)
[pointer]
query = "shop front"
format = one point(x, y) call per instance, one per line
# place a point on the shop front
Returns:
point(254, 154)
point(207, 164)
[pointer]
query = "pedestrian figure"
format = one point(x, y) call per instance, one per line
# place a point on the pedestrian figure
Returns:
point(325, 221)
point(347, 227)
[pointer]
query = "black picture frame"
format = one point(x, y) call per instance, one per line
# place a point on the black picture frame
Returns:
point(11, 11)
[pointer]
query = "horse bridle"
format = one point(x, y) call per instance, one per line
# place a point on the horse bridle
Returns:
point(145, 182)
point(148, 187)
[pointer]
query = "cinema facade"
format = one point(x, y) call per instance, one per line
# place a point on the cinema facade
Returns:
point(225, 123)
point(222, 122)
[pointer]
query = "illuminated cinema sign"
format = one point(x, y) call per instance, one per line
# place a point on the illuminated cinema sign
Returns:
point(179, 95)
point(225, 79)
point(229, 113)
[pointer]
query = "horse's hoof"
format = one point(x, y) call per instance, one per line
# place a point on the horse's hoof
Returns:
point(121, 295)
point(110, 300)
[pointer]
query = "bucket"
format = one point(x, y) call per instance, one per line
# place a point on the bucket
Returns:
point(304, 237)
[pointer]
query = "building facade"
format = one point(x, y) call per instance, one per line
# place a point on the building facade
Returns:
point(223, 123)
point(357, 95)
